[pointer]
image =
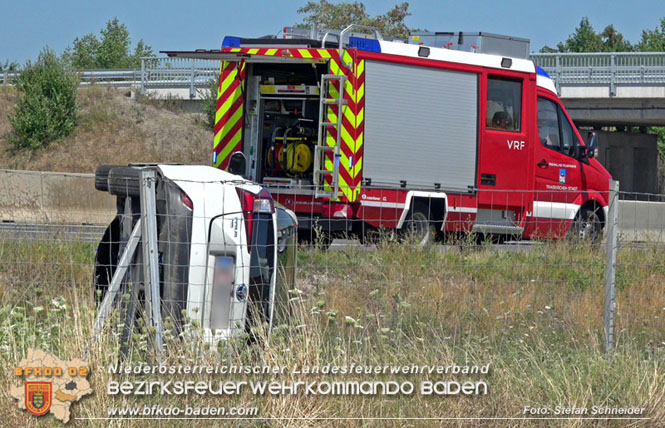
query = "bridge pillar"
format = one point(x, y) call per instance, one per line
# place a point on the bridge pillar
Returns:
point(631, 158)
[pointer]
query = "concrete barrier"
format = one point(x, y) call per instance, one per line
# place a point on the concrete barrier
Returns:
point(53, 197)
point(641, 221)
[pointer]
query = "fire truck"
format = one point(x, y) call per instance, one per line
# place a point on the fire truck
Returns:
point(443, 133)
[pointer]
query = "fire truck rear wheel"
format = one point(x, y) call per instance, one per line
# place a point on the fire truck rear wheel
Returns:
point(417, 226)
point(124, 181)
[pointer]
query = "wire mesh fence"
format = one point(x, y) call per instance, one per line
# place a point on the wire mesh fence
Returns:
point(387, 285)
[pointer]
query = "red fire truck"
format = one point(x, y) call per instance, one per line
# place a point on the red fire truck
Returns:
point(354, 132)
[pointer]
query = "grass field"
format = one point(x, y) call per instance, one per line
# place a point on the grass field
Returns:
point(535, 318)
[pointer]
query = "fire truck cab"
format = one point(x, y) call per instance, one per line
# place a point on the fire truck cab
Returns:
point(351, 131)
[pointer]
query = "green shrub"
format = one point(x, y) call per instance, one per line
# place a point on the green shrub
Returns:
point(209, 102)
point(46, 102)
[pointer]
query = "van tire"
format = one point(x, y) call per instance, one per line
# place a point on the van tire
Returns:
point(125, 181)
point(102, 177)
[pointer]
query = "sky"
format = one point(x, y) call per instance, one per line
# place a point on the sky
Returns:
point(26, 26)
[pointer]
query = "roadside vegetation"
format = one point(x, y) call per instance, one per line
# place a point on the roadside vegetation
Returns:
point(111, 50)
point(112, 129)
point(535, 317)
point(45, 104)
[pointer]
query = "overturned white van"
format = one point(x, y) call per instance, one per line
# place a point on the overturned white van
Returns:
point(217, 243)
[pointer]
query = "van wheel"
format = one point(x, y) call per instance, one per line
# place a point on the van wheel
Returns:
point(417, 227)
point(586, 226)
point(125, 181)
point(102, 176)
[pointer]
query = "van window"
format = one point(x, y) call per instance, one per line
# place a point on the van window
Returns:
point(554, 129)
point(504, 103)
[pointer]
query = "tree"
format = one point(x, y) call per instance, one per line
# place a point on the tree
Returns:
point(338, 16)
point(46, 102)
point(653, 40)
point(84, 53)
point(209, 102)
point(9, 66)
point(613, 41)
point(111, 50)
point(584, 39)
point(141, 50)
point(114, 46)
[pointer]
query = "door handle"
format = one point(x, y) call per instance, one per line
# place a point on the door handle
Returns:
point(543, 164)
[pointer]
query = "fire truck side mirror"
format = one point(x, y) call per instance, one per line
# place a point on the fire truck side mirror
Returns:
point(592, 145)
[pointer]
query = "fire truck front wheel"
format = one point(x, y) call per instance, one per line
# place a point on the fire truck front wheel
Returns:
point(418, 226)
point(587, 226)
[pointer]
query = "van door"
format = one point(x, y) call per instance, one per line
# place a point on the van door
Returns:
point(558, 173)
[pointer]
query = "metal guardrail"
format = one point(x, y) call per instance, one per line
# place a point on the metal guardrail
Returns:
point(630, 68)
point(602, 69)
point(155, 72)
point(177, 73)
point(121, 77)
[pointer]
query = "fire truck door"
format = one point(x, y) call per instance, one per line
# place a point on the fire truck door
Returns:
point(503, 158)
point(558, 173)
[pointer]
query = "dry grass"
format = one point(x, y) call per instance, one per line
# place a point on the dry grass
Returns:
point(535, 318)
point(113, 129)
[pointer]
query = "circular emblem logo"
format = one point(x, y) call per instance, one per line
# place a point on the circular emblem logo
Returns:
point(241, 292)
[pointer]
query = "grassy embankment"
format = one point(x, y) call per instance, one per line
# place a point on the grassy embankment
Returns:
point(112, 129)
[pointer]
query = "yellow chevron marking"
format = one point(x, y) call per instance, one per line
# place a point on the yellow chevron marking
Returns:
point(357, 94)
point(253, 51)
point(228, 80)
point(231, 121)
point(348, 140)
point(357, 167)
point(305, 53)
point(334, 67)
point(360, 69)
point(271, 52)
point(227, 105)
point(330, 141)
point(235, 49)
point(360, 117)
point(360, 93)
point(347, 57)
point(324, 53)
point(226, 151)
point(350, 117)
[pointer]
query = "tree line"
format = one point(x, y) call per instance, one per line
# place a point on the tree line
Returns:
point(586, 39)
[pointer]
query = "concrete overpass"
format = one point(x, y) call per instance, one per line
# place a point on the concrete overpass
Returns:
point(609, 89)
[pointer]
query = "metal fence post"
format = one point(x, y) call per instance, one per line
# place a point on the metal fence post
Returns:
point(610, 266)
point(143, 76)
point(192, 92)
point(613, 72)
point(557, 80)
point(150, 254)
